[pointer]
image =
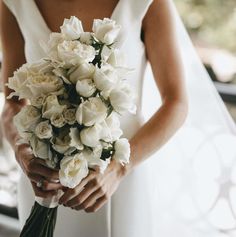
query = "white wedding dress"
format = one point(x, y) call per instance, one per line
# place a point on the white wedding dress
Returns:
point(160, 197)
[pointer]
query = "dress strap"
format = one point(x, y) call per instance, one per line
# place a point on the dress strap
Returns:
point(12, 5)
point(132, 11)
point(28, 18)
point(130, 15)
point(139, 8)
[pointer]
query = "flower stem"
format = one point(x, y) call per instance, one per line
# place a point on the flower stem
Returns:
point(41, 222)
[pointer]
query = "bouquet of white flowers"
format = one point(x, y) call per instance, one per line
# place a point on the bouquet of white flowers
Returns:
point(76, 94)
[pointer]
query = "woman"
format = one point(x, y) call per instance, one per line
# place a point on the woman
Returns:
point(23, 22)
point(117, 203)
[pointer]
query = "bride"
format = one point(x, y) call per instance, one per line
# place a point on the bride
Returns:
point(122, 202)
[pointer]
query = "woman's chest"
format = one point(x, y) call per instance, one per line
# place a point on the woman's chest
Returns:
point(55, 11)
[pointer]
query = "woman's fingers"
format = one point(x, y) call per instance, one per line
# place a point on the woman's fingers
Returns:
point(46, 185)
point(24, 155)
point(35, 177)
point(71, 193)
point(36, 167)
point(38, 172)
point(41, 193)
point(98, 204)
point(89, 189)
point(90, 201)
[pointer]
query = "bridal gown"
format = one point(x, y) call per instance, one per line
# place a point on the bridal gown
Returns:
point(187, 188)
point(128, 212)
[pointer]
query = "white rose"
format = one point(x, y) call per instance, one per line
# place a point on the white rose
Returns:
point(72, 28)
point(40, 149)
point(111, 128)
point(85, 88)
point(62, 73)
point(61, 143)
point(91, 136)
point(42, 66)
point(75, 140)
point(86, 38)
point(44, 84)
point(117, 58)
point(26, 120)
point(106, 51)
point(37, 101)
point(50, 48)
point(122, 99)
point(72, 53)
point(69, 115)
point(94, 158)
point(18, 83)
point(51, 106)
point(21, 80)
point(43, 130)
point(72, 170)
point(83, 71)
point(106, 30)
point(105, 79)
point(122, 151)
point(58, 120)
point(91, 111)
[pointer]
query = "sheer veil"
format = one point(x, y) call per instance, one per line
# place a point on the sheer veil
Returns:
point(195, 172)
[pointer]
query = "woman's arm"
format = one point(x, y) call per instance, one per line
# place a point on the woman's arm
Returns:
point(13, 58)
point(163, 53)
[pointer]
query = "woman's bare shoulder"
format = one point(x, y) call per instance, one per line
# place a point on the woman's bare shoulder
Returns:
point(12, 43)
point(162, 49)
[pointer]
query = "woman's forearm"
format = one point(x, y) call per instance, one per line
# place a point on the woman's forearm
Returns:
point(156, 131)
point(9, 111)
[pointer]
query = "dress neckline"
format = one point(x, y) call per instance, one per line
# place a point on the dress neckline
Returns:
point(43, 22)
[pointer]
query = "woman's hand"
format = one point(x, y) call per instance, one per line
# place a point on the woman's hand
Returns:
point(95, 189)
point(37, 172)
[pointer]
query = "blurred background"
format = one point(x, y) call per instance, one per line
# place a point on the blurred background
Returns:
point(212, 27)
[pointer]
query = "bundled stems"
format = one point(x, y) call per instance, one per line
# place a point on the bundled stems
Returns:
point(41, 222)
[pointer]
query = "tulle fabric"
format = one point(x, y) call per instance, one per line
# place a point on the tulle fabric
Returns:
point(194, 173)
